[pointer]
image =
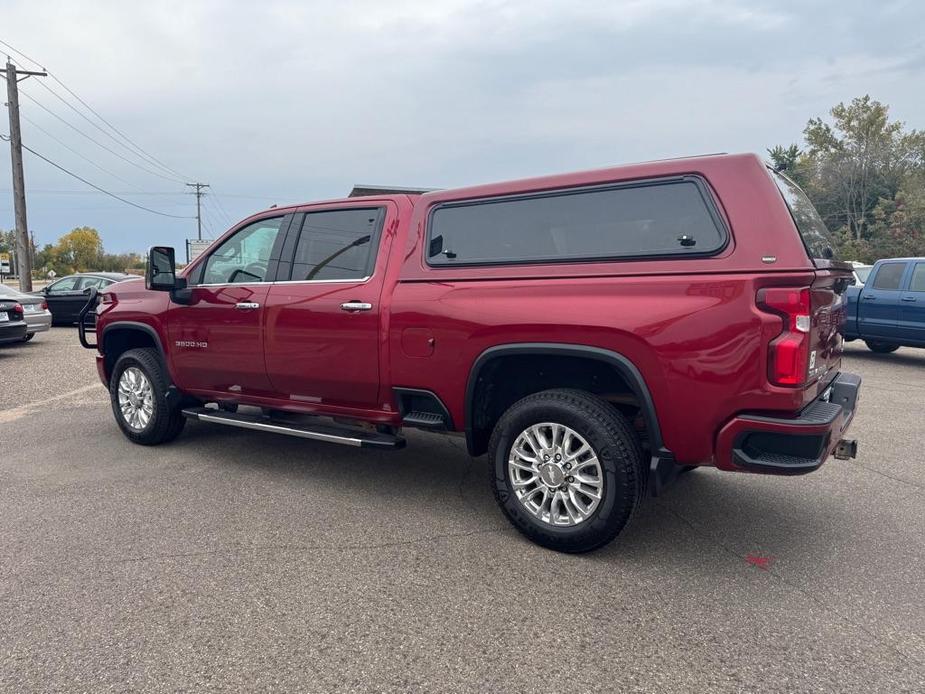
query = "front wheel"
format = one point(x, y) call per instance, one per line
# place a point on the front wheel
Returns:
point(28, 337)
point(566, 469)
point(138, 393)
point(881, 347)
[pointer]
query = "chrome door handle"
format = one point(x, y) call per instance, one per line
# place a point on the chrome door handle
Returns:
point(356, 306)
point(246, 306)
point(908, 298)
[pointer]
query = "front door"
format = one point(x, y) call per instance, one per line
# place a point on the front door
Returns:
point(322, 323)
point(65, 299)
point(912, 308)
point(216, 340)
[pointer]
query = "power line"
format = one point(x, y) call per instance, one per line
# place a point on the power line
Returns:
point(92, 122)
point(71, 149)
point(96, 142)
point(139, 150)
point(148, 192)
point(220, 213)
point(125, 137)
point(102, 190)
point(34, 62)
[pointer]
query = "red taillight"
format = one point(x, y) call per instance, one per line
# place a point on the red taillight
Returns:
point(44, 305)
point(788, 353)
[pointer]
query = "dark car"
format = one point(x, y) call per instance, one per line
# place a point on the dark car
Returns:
point(68, 295)
point(12, 322)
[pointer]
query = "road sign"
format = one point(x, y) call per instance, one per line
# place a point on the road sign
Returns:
point(195, 247)
point(4, 263)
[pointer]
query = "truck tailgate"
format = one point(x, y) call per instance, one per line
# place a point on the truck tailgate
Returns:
point(829, 311)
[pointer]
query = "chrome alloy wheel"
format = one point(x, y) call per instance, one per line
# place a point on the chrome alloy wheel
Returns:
point(555, 474)
point(136, 398)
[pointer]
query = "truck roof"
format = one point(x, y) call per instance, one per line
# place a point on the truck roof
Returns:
point(658, 167)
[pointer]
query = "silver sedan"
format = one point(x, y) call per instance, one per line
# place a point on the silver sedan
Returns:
point(35, 310)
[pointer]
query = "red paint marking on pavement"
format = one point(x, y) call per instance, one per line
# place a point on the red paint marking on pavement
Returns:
point(763, 563)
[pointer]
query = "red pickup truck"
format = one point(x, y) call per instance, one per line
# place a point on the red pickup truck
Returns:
point(595, 333)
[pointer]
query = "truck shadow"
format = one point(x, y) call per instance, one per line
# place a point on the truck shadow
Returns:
point(435, 480)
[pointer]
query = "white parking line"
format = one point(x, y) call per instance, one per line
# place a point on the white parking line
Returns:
point(23, 410)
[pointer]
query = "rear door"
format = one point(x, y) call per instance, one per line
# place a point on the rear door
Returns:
point(322, 322)
point(912, 306)
point(878, 309)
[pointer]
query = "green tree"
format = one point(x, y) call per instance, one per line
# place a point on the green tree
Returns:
point(789, 161)
point(80, 249)
point(866, 176)
point(858, 159)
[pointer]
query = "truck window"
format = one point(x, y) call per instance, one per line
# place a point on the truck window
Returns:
point(889, 276)
point(243, 256)
point(918, 278)
point(670, 217)
point(816, 237)
point(337, 244)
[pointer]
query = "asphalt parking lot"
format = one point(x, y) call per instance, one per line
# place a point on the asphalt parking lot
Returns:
point(230, 560)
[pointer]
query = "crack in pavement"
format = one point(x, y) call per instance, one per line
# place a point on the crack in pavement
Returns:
point(915, 485)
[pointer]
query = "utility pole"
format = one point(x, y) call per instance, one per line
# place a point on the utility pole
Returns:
point(23, 255)
point(198, 193)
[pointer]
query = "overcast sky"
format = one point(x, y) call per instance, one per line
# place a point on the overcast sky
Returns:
point(277, 102)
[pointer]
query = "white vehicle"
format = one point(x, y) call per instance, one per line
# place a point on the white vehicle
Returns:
point(861, 272)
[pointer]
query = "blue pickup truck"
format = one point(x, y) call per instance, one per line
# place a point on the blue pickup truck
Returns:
point(888, 310)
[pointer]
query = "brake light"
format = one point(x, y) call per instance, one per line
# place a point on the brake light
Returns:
point(788, 353)
point(44, 305)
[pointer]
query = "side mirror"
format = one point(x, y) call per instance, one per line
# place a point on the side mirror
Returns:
point(161, 270)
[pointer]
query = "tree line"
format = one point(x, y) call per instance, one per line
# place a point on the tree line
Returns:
point(865, 174)
point(79, 250)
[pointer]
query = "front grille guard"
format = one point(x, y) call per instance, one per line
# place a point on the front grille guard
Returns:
point(83, 327)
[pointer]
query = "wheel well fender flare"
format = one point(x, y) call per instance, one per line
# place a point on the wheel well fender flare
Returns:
point(622, 364)
point(132, 326)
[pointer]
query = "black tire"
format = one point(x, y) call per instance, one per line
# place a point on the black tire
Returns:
point(881, 347)
point(616, 446)
point(28, 337)
point(167, 421)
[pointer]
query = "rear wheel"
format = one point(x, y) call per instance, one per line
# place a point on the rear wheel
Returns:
point(566, 469)
point(881, 347)
point(28, 337)
point(138, 393)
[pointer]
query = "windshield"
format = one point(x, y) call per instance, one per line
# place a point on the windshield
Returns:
point(816, 237)
point(863, 272)
point(8, 291)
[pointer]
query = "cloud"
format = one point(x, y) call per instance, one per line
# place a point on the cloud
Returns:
point(290, 101)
